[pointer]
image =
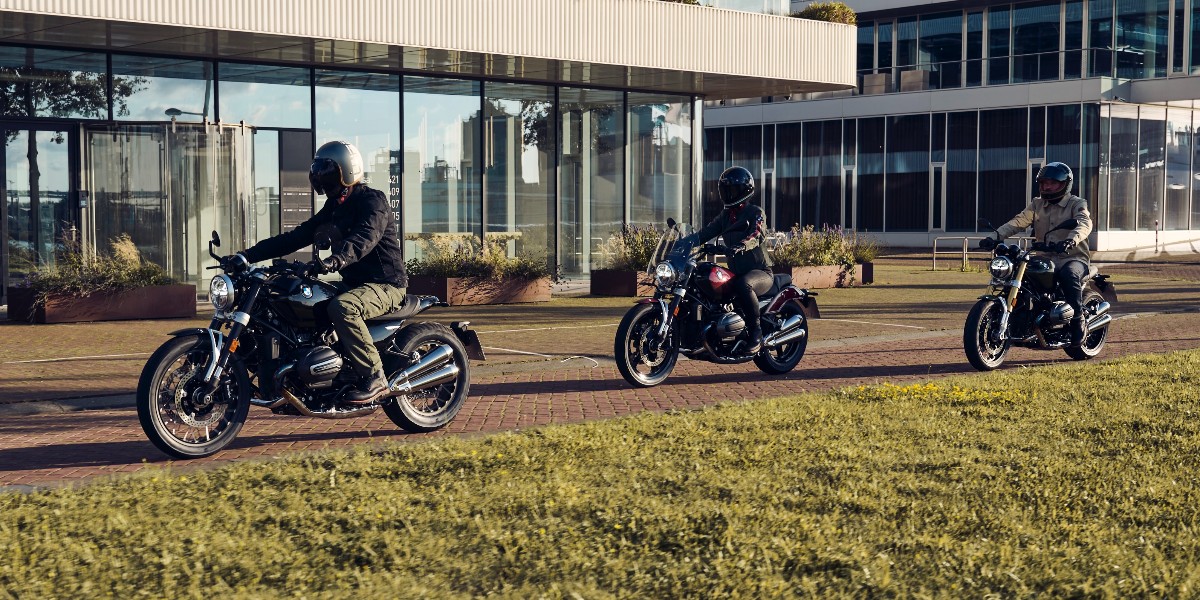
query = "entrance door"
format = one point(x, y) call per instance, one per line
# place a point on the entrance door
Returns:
point(850, 198)
point(937, 197)
point(38, 182)
point(768, 198)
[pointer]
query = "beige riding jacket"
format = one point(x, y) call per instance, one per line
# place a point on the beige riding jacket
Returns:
point(1045, 216)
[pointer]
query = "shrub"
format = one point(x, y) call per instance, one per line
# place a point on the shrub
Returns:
point(79, 272)
point(832, 12)
point(458, 255)
point(630, 248)
point(807, 247)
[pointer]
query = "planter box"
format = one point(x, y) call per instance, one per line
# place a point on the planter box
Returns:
point(461, 291)
point(868, 273)
point(612, 282)
point(174, 301)
point(814, 278)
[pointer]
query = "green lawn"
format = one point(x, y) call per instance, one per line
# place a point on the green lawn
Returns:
point(1067, 481)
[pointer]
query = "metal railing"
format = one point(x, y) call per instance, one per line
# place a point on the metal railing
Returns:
point(969, 248)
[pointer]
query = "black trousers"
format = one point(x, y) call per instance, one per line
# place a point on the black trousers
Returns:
point(747, 287)
point(1069, 276)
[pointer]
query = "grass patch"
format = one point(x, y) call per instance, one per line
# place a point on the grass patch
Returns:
point(1067, 481)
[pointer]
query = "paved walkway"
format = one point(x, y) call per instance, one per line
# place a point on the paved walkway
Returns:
point(52, 449)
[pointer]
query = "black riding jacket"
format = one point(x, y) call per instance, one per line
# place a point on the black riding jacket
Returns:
point(744, 229)
point(369, 248)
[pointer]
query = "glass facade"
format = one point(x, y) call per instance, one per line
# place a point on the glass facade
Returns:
point(660, 164)
point(591, 174)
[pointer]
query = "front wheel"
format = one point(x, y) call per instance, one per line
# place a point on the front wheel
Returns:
point(982, 336)
point(784, 357)
point(642, 359)
point(173, 417)
point(431, 408)
point(1093, 343)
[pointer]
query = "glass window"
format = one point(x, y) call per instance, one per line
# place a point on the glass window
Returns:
point(1122, 161)
point(714, 163)
point(906, 42)
point(441, 182)
point(1151, 167)
point(1003, 164)
point(1180, 136)
point(37, 186)
point(264, 95)
point(364, 109)
point(849, 142)
point(870, 174)
point(998, 45)
point(1177, 56)
point(789, 176)
point(1073, 40)
point(154, 89)
point(1063, 127)
point(56, 83)
point(1100, 38)
point(961, 133)
point(1035, 41)
point(885, 46)
point(1142, 38)
point(974, 49)
point(1037, 132)
point(591, 171)
point(518, 168)
point(745, 147)
point(660, 158)
point(866, 47)
point(937, 138)
point(1087, 176)
point(907, 198)
point(1195, 25)
point(941, 49)
point(822, 200)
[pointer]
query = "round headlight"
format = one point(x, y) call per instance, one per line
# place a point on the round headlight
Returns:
point(221, 292)
point(1001, 268)
point(664, 274)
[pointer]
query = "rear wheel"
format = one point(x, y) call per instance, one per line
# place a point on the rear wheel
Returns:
point(1093, 343)
point(982, 338)
point(641, 359)
point(780, 359)
point(174, 417)
point(434, 407)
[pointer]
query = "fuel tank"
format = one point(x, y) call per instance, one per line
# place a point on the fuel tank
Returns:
point(1040, 272)
point(714, 281)
point(300, 299)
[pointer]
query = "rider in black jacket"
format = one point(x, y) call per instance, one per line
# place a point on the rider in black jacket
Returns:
point(366, 251)
point(743, 226)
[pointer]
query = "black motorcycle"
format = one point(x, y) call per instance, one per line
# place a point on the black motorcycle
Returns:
point(270, 344)
point(692, 314)
point(1026, 307)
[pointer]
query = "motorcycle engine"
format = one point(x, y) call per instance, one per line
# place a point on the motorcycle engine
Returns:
point(729, 327)
point(1060, 314)
point(317, 366)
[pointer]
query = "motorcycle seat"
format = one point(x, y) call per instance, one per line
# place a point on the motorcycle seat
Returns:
point(413, 304)
point(780, 281)
point(1092, 272)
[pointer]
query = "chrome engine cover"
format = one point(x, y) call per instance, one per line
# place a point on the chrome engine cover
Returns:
point(729, 327)
point(1060, 313)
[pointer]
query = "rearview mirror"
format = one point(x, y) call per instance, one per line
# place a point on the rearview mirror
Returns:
point(322, 241)
point(671, 223)
point(216, 239)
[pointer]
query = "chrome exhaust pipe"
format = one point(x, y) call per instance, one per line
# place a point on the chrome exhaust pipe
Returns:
point(1098, 322)
point(447, 373)
point(329, 414)
point(439, 357)
point(787, 332)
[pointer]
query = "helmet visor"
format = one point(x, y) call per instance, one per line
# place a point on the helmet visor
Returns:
point(1050, 187)
point(325, 176)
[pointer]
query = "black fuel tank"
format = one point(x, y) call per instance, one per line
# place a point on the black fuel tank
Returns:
point(1040, 272)
point(300, 299)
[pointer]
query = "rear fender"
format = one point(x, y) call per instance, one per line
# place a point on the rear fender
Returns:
point(1106, 288)
point(806, 299)
point(469, 338)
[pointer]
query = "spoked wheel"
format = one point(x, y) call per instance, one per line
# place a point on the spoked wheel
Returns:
point(784, 357)
point(433, 407)
point(641, 359)
point(982, 336)
point(172, 412)
point(1094, 342)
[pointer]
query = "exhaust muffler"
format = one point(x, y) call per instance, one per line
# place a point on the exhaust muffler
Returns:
point(790, 330)
point(432, 366)
point(1101, 318)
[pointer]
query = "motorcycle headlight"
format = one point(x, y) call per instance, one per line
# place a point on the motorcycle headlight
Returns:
point(1001, 268)
point(664, 275)
point(221, 292)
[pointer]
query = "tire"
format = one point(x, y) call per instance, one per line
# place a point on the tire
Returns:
point(165, 401)
point(982, 321)
point(784, 358)
point(637, 364)
point(1094, 342)
point(431, 408)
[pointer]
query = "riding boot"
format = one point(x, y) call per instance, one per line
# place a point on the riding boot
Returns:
point(755, 339)
point(1078, 330)
point(367, 390)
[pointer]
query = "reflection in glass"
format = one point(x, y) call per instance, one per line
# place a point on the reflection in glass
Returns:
point(1100, 38)
point(127, 189)
point(660, 157)
point(1141, 47)
point(1151, 167)
point(961, 134)
point(998, 46)
point(1180, 135)
point(518, 161)
point(264, 95)
point(908, 173)
point(789, 176)
point(364, 109)
point(1003, 163)
point(36, 189)
point(974, 49)
point(870, 174)
point(56, 83)
point(941, 48)
point(441, 158)
point(263, 219)
point(591, 167)
point(1123, 166)
point(1035, 41)
point(166, 87)
point(1073, 40)
point(822, 175)
point(714, 163)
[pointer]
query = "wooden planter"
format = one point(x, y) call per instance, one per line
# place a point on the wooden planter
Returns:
point(814, 278)
point(613, 282)
point(173, 301)
point(461, 291)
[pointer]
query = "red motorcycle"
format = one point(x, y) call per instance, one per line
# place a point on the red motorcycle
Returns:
point(692, 314)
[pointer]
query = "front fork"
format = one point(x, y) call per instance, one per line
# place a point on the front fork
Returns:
point(669, 311)
point(223, 346)
point(1010, 302)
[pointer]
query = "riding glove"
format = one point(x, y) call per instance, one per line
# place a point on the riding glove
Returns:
point(325, 265)
point(234, 263)
point(988, 243)
point(1064, 246)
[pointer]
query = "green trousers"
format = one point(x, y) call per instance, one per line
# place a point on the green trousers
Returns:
point(349, 313)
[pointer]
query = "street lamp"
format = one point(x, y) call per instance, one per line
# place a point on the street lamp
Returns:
point(175, 112)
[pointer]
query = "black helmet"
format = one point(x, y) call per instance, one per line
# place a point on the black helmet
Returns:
point(335, 167)
point(735, 185)
point(1054, 181)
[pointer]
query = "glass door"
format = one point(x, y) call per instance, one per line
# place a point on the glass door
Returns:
point(37, 216)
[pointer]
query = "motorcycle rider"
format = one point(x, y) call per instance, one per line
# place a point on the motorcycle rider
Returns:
point(744, 228)
point(366, 251)
point(1054, 204)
